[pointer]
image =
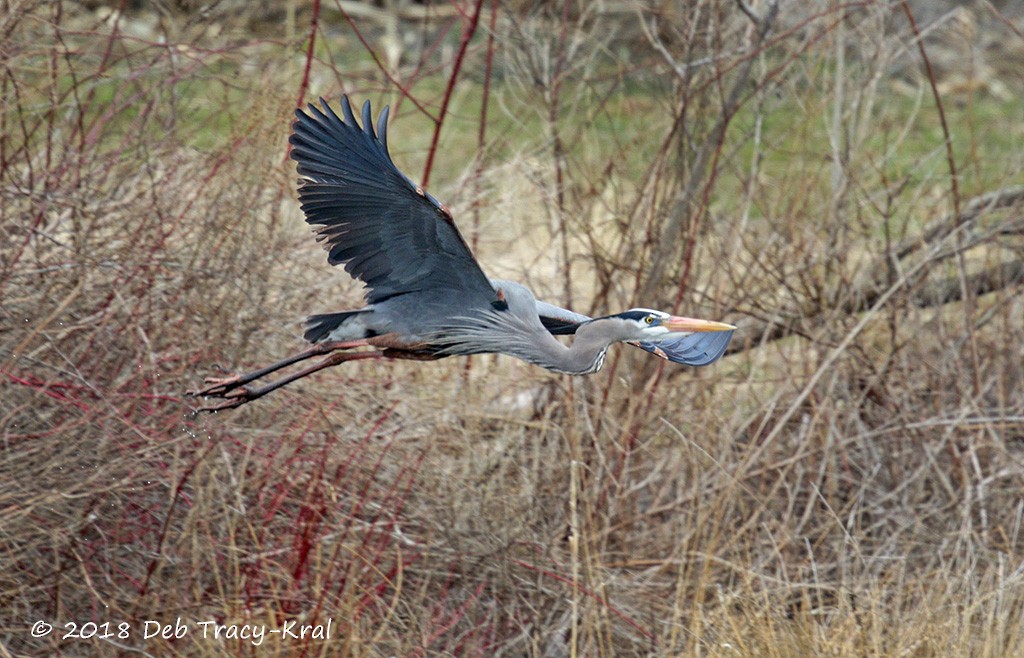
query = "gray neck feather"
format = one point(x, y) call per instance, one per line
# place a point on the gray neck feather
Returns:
point(526, 339)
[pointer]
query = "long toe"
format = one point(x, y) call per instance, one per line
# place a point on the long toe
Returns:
point(217, 386)
point(227, 403)
point(234, 396)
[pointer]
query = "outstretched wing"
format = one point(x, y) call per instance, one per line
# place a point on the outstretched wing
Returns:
point(699, 349)
point(385, 230)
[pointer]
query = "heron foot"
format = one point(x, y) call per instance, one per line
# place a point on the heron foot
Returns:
point(232, 397)
point(217, 387)
point(230, 403)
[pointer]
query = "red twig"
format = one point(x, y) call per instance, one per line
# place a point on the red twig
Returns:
point(304, 84)
point(50, 389)
point(467, 35)
point(482, 128)
point(158, 553)
point(380, 65)
point(954, 176)
point(454, 616)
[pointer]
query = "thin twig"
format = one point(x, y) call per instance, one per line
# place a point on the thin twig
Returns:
point(954, 182)
point(467, 35)
point(304, 84)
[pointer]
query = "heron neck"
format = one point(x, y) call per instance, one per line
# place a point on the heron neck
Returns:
point(586, 353)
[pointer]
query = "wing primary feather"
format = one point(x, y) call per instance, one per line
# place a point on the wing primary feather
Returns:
point(315, 140)
point(382, 130)
point(367, 213)
point(328, 120)
point(368, 121)
point(327, 126)
point(346, 109)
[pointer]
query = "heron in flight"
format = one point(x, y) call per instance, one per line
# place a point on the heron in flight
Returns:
point(426, 295)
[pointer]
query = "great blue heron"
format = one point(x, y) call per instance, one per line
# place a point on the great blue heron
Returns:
point(426, 295)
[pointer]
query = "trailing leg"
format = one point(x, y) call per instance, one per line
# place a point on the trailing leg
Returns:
point(238, 394)
point(220, 386)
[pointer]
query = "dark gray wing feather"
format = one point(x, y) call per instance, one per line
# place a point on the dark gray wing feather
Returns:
point(369, 216)
point(694, 350)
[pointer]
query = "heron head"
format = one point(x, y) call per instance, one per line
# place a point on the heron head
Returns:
point(652, 326)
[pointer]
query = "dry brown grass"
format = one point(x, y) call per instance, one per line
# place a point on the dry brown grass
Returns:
point(847, 483)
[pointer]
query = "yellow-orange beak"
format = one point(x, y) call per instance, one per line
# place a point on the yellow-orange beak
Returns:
point(692, 325)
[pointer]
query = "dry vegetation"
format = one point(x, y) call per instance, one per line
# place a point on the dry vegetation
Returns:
point(848, 482)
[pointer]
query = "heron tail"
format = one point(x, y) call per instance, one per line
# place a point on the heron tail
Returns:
point(337, 326)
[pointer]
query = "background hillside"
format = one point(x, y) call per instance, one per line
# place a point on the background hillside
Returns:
point(845, 182)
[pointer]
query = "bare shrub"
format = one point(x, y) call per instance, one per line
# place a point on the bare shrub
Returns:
point(847, 482)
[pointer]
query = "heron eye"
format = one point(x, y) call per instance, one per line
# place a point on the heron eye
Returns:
point(649, 319)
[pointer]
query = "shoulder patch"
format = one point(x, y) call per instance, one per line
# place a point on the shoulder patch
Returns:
point(500, 303)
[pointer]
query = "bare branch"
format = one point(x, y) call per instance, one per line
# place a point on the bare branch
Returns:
point(937, 293)
point(749, 11)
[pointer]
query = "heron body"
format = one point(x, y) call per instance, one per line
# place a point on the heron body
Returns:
point(513, 327)
point(425, 291)
point(426, 295)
